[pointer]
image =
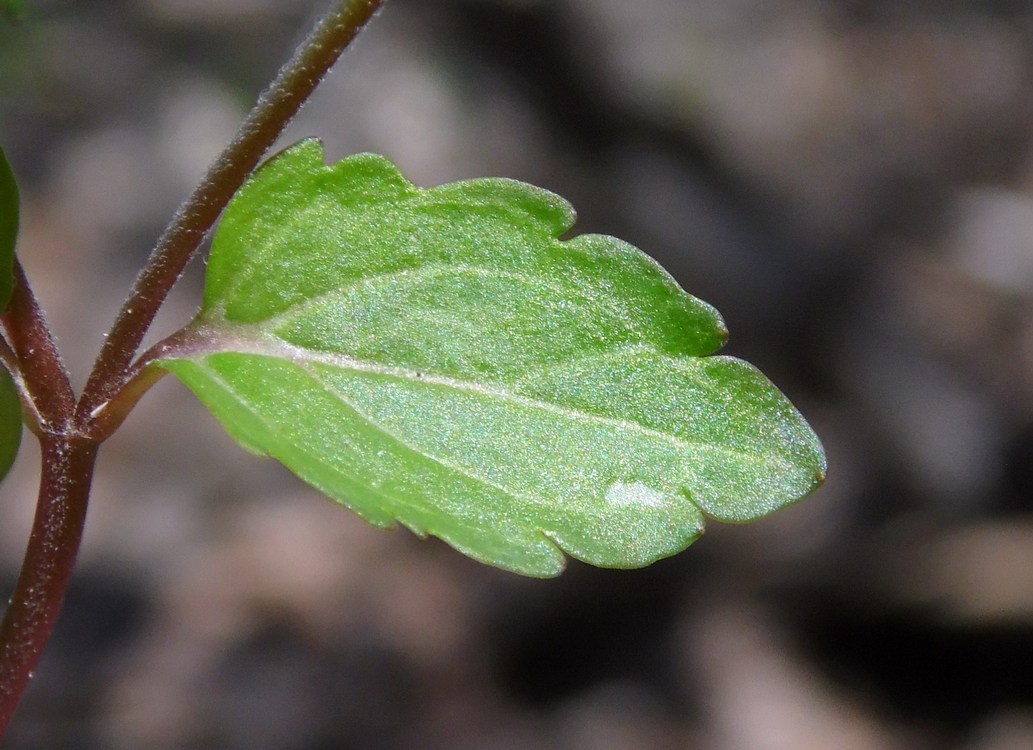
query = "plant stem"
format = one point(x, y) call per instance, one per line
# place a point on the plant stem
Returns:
point(180, 240)
point(65, 475)
point(71, 433)
point(45, 377)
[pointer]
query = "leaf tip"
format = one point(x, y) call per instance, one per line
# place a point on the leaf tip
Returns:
point(821, 473)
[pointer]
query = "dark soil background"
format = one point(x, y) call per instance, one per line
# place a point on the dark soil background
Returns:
point(850, 183)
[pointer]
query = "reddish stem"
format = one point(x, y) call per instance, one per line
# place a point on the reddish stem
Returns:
point(70, 433)
point(49, 559)
point(275, 108)
point(45, 379)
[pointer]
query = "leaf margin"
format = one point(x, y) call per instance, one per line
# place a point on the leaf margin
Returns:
point(214, 308)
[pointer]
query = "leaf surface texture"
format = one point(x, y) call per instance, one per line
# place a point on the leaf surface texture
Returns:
point(438, 357)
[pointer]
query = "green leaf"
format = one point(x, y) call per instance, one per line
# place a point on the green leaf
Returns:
point(438, 357)
point(10, 422)
point(8, 229)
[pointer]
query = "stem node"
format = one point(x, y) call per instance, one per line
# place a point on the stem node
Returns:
point(70, 432)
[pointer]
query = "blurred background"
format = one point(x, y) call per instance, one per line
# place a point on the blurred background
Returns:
point(850, 183)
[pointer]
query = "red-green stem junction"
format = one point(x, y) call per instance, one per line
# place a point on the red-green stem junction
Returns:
point(71, 430)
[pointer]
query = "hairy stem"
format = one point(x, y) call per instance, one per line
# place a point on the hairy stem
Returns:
point(67, 469)
point(70, 433)
point(43, 372)
point(180, 240)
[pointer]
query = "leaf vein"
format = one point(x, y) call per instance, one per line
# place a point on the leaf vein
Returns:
point(303, 357)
